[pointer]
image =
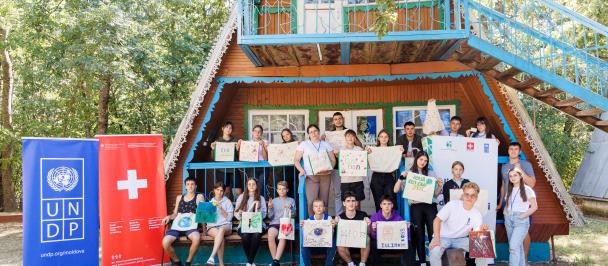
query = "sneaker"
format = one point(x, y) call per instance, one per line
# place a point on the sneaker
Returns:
point(188, 263)
point(176, 263)
point(275, 263)
point(211, 261)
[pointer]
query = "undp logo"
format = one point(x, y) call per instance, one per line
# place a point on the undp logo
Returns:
point(62, 178)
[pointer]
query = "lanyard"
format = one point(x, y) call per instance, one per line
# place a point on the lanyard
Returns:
point(316, 148)
point(513, 200)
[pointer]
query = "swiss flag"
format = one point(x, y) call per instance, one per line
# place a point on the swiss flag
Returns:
point(470, 146)
point(132, 199)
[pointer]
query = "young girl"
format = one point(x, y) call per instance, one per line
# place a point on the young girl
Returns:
point(421, 214)
point(319, 214)
point(352, 183)
point(482, 130)
point(287, 136)
point(223, 223)
point(382, 183)
point(521, 203)
point(228, 175)
point(455, 183)
point(278, 208)
point(287, 172)
point(250, 201)
point(256, 135)
point(317, 185)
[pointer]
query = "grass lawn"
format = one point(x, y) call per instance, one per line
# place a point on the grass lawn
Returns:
point(587, 245)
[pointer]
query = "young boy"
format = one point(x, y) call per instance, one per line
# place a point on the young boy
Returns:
point(278, 208)
point(385, 214)
point(351, 213)
point(318, 208)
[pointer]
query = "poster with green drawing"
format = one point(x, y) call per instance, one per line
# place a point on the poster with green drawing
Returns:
point(251, 222)
point(419, 187)
point(206, 212)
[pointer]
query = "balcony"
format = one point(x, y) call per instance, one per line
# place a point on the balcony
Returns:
point(330, 32)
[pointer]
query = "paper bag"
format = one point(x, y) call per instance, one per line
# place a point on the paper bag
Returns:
point(352, 234)
point(184, 222)
point(249, 151)
point(224, 151)
point(317, 234)
point(419, 188)
point(282, 154)
point(352, 163)
point(391, 235)
point(251, 222)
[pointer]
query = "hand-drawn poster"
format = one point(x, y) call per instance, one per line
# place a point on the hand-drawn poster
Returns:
point(482, 199)
point(317, 234)
point(385, 159)
point(184, 222)
point(249, 151)
point(282, 154)
point(319, 162)
point(206, 212)
point(352, 234)
point(391, 235)
point(481, 244)
point(251, 222)
point(336, 139)
point(352, 163)
point(224, 151)
point(419, 188)
point(286, 228)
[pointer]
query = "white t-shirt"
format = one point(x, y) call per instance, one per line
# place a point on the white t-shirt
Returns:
point(307, 147)
point(351, 179)
point(456, 221)
point(516, 204)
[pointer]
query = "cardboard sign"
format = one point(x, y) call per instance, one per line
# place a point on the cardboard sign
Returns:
point(336, 139)
point(224, 151)
point(419, 188)
point(249, 151)
point(184, 222)
point(319, 162)
point(352, 234)
point(352, 163)
point(481, 244)
point(384, 159)
point(317, 234)
point(482, 199)
point(391, 235)
point(206, 212)
point(251, 222)
point(282, 154)
point(286, 228)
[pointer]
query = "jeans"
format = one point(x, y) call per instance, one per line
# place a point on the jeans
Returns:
point(330, 253)
point(335, 183)
point(462, 242)
point(517, 229)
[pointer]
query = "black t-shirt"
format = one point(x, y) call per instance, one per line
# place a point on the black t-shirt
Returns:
point(359, 216)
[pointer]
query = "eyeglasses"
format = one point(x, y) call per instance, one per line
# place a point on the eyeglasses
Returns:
point(467, 195)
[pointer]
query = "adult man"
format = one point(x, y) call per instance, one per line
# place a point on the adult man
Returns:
point(453, 223)
point(351, 213)
point(455, 124)
point(527, 173)
point(337, 125)
point(412, 143)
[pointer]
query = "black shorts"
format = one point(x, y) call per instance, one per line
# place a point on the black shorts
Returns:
point(355, 187)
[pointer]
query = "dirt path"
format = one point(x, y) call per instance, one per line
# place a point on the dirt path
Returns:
point(11, 243)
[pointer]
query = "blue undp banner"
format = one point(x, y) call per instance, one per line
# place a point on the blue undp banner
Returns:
point(60, 201)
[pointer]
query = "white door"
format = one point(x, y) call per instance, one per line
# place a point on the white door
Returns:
point(366, 122)
point(320, 16)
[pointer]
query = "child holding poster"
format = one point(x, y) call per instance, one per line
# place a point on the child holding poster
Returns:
point(352, 183)
point(186, 203)
point(257, 134)
point(422, 214)
point(223, 223)
point(382, 183)
point(250, 201)
point(278, 208)
point(228, 175)
point(319, 214)
point(456, 182)
point(385, 214)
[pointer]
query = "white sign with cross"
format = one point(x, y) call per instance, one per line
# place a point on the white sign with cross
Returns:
point(132, 184)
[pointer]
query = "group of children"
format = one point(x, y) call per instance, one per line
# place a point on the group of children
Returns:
point(444, 229)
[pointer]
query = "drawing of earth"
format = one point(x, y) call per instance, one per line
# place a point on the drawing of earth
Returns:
point(185, 222)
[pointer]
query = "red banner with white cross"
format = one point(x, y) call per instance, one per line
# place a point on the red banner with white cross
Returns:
point(132, 199)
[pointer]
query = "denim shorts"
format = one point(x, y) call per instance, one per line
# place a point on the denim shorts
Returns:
point(177, 234)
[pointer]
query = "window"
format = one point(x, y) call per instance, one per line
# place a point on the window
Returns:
point(274, 121)
point(416, 114)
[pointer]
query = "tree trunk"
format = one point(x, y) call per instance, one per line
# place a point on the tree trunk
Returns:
point(104, 99)
point(9, 202)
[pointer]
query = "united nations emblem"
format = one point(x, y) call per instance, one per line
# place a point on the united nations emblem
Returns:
point(62, 178)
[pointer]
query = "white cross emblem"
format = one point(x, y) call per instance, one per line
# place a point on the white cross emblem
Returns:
point(132, 184)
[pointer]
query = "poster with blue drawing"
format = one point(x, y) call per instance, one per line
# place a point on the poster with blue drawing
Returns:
point(60, 201)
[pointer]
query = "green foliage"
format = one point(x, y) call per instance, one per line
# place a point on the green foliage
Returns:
point(385, 18)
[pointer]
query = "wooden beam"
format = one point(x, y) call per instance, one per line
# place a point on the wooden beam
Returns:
point(420, 47)
point(549, 92)
point(469, 55)
point(431, 50)
point(509, 73)
point(568, 102)
point(359, 53)
point(602, 123)
point(489, 63)
point(531, 82)
point(590, 112)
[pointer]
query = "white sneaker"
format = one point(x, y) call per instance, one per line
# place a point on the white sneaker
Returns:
point(248, 264)
point(211, 260)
